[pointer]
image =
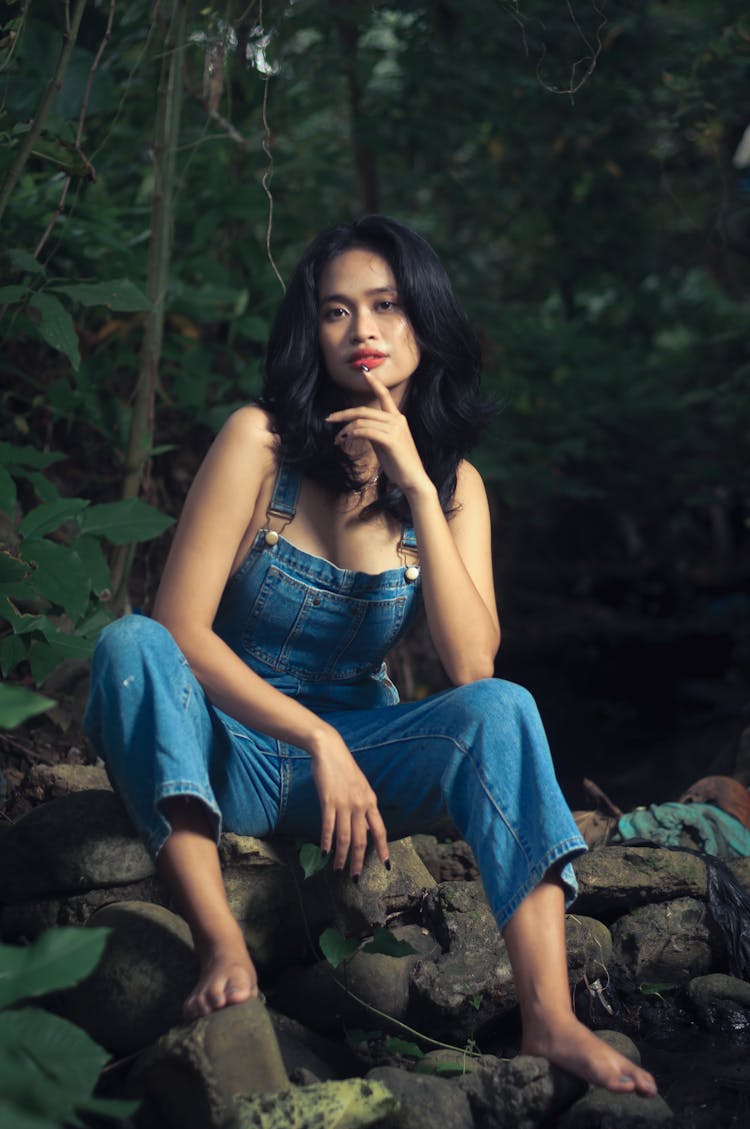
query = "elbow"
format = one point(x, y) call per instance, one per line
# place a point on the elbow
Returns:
point(472, 669)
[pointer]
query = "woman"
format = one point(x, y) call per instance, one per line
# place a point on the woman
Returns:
point(257, 698)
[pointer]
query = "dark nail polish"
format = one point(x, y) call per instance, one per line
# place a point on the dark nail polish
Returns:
point(324, 854)
point(387, 864)
point(355, 879)
point(338, 870)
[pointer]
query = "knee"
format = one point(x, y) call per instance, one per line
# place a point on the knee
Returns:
point(494, 698)
point(134, 637)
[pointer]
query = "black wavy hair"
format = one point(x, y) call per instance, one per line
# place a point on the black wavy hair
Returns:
point(442, 405)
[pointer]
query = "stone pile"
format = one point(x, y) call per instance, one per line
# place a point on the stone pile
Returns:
point(641, 938)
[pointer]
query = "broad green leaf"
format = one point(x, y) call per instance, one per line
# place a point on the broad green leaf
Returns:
point(11, 455)
point(49, 516)
point(447, 1069)
point(47, 1064)
point(21, 622)
point(11, 568)
point(13, 650)
point(58, 959)
point(91, 553)
point(311, 859)
point(402, 1047)
point(13, 293)
point(12, 1115)
point(384, 942)
point(90, 626)
point(335, 947)
point(46, 655)
point(7, 493)
point(56, 326)
point(46, 490)
point(17, 704)
point(123, 522)
point(24, 260)
point(118, 294)
point(60, 577)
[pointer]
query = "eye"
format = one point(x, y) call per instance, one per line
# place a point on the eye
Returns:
point(334, 313)
point(386, 304)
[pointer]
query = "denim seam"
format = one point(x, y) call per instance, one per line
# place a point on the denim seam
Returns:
point(468, 756)
point(567, 847)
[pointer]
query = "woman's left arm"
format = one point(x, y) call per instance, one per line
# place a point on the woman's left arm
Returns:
point(455, 556)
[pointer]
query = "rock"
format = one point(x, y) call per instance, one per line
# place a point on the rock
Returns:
point(137, 990)
point(613, 880)
point(46, 782)
point(670, 942)
point(472, 981)
point(322, 997)
point(589, 947)
point(620, 1042)
point(303, 1050)
point(722, 1004)
point(381, 894)
point(518, 1093)
point(447, 862)
point(78, 842)
point(602, 1109)
point(24, 921)
point(352, 1104)
point(193, 1072)
point(420, 1096)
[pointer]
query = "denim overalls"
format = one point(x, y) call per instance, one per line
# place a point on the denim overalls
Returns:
point(319, 633)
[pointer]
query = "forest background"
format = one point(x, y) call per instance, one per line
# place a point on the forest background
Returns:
point(580, 168)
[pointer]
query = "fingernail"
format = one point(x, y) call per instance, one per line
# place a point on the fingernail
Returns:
point(387, 864)
point(338, 870)
point(355, 879)
point(324, 854)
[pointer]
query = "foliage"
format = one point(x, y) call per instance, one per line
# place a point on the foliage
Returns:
point(571, 163)
point(352, 1104)
point(48, 1066)
point(54, 576)
point(17, 704)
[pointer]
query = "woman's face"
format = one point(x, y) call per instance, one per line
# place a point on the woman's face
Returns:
point(361, 322)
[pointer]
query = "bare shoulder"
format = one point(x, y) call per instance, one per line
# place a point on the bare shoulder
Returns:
point(470, 488)
point(251, 426)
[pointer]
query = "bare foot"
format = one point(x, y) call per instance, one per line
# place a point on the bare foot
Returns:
point(575, 1048)
point(227, 977)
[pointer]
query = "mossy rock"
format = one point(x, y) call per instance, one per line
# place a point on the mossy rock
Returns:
point(351, 1104)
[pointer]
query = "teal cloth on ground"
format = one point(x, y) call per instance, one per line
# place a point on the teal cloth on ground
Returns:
point(702, 826)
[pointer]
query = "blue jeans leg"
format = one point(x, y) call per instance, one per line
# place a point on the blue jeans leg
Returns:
point(478, 753)
point(160, 737)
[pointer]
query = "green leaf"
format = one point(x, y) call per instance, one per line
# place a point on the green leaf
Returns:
point(312, 859)
point(17, 704)
point(402, 1047)
point(12, 1115)
point(384, 942)
point(24, 260)
point(12, 455)
point(56, 327)
point(58, 959)
point(90, 551)
point(46, 655)
point(11, 568)
point(60, 577)
point(7, 493)
point(448, 1069)
point(49, 516)
point(21, 622)
point(123, 522)
point(13, 650)
point(336, 947)
point(13, 293)
point(47, 1065)
point(117, 294)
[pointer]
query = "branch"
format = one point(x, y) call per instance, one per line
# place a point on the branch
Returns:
point(19, 163)
point(166, 137)
point(59, 211)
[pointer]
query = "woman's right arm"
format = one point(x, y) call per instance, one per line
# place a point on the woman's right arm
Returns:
point(217, 514)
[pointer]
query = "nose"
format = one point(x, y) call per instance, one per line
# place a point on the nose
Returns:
point(362, 325)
